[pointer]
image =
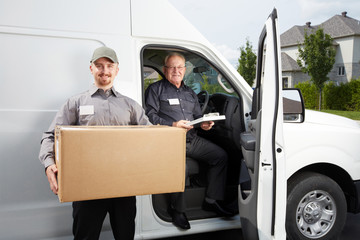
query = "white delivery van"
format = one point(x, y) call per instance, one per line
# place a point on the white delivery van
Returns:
point(294, 173)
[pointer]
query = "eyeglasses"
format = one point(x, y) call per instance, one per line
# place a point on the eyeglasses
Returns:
point(173, 68)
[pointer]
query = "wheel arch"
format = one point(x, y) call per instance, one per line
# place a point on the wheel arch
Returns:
point(339, 175)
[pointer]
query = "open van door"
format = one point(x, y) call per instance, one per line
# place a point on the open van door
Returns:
point(262, 203)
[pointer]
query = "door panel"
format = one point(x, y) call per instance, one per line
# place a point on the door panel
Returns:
point(260, 214)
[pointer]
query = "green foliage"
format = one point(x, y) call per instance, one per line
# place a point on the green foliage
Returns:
point(148, 81)
point(343, 97)
point(354, 104)
point(336, 97)
point(317, 57)
point(355, 115)
point(210, 88)
point(310, 94)
point(247, 63)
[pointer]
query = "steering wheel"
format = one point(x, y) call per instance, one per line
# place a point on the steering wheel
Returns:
point(203, 97)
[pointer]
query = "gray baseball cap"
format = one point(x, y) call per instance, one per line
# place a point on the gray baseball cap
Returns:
point(104, 52)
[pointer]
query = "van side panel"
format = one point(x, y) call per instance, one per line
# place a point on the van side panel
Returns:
point(46, 47)
point(109, 17)
point(161, 17)
point(41, 73)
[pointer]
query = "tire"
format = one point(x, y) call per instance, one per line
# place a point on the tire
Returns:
point(316, 208)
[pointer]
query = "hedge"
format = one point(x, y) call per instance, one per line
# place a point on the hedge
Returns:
point(345, 96)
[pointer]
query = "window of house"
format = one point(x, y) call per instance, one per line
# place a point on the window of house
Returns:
point(285, 82)
point(341, 71)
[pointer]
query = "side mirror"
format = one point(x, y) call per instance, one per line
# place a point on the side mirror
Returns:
point(293, 105)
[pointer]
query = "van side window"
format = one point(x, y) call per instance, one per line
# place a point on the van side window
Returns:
point(200, 75)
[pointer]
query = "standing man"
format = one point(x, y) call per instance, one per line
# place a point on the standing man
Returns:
point(170, 102)
point(104, 106)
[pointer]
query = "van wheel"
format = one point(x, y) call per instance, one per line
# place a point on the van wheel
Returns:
point(316, 208)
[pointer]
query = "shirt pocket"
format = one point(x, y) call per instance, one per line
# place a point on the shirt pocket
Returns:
point(189, 97)
point(165, 104)
point(189, 102)
point(87, 119)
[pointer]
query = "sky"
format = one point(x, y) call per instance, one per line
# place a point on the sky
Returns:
point(228, 23)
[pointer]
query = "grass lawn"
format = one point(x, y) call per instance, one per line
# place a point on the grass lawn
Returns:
point(348, 114)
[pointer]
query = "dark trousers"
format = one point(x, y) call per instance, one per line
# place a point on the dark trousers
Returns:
point(89, 217)
point(215, 158)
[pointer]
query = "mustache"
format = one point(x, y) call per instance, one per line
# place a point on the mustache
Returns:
point(105, 74)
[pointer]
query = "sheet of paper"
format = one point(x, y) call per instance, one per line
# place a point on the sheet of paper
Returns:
point(207, 117)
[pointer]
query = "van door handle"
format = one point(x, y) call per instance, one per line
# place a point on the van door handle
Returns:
point(265, 164)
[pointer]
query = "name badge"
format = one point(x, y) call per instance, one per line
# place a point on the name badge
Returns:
point(174, 101)
point(87, 110)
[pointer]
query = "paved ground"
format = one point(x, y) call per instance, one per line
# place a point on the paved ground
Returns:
point(351, 232)
point(352, 228)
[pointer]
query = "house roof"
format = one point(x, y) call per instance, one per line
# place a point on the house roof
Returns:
point(288, 64)
point(337, 26)
point(153, 75)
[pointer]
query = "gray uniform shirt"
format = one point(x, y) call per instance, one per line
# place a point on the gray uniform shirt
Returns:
point(93, 107)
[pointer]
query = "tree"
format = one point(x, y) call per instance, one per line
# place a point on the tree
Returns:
point(148, 81)
point(210, 88)
point(247, 63)
point(316, 58)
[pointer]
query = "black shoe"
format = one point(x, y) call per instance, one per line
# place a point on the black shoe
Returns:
point(215, 207)
point(232, 207)
point(179, 219)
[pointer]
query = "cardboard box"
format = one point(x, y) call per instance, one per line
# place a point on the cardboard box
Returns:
point(117, 161)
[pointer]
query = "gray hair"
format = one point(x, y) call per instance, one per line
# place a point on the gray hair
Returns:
point(172, 54)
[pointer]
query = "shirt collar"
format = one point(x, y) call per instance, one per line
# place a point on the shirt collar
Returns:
point(94, 89)
point(182, 85)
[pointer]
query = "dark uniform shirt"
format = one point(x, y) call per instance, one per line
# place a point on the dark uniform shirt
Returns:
point(165, 104)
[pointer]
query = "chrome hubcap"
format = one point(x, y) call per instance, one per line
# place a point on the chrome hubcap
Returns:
point(312, 212)
point(316, 214)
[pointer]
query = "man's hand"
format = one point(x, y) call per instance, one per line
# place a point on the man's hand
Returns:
point(182, 124)
point(51, 173)
point(207, 125)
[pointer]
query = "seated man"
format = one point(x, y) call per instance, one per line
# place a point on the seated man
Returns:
point(170, 102)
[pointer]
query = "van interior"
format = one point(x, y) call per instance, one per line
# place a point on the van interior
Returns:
point(215, 95)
